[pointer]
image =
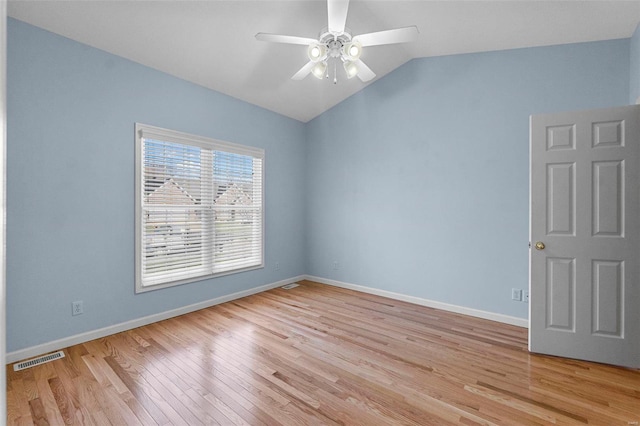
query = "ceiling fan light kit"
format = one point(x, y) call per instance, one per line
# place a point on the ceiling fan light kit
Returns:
point(336, 44)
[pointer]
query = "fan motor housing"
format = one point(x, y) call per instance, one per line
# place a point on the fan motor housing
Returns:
point(333, 42)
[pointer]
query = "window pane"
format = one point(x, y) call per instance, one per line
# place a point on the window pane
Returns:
point(172, 173)
point(237, 208)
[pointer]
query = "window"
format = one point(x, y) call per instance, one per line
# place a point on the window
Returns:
point(199, 208)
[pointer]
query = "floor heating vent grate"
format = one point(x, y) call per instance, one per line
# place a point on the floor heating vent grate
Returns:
point(37, 361)
point(290, 286)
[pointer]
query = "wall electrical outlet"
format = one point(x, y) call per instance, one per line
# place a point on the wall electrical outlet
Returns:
point(516, 294)
point(77, 308)
point(335, 265)
point(525, 296)
point(277, 266)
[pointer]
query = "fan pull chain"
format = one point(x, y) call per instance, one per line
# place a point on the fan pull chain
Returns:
point(335, 73)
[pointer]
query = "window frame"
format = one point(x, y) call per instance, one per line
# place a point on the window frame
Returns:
point(143, 131)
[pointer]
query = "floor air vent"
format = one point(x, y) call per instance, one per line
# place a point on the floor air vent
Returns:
point(290, 286)
point(37, 361)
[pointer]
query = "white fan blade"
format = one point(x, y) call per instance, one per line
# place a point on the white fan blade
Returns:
point(304, 71)
point(277, 38)
point(364, 72)
point(337, 11)
point(399, 35)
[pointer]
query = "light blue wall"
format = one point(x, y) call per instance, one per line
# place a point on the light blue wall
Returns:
point(416, 185)
point(634, 66)
point(70, 218)
point(419, 184)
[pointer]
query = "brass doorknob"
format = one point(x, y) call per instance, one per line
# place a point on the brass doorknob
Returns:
point(539, 245)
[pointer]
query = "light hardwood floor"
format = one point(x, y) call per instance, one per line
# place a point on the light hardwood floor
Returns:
point(320, 355)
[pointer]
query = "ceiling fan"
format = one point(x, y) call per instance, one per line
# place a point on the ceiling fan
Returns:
point(337, 44)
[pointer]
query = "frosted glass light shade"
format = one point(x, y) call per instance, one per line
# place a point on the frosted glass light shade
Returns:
point(351, 68)
point(319, 69)
point(316, 52)
point(352, 51)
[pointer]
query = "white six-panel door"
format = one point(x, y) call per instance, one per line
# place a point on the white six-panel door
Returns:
point(585, 235)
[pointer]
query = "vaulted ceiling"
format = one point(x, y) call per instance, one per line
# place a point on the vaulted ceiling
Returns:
point(211, 43)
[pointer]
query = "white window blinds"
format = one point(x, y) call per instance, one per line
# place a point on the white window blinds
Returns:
point(200, 207)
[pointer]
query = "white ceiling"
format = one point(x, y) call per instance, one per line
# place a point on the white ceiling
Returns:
point(212, 42)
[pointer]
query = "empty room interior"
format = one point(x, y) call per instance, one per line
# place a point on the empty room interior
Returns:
point(321, 212)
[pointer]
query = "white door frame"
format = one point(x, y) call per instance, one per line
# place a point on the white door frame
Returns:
point(3, 204)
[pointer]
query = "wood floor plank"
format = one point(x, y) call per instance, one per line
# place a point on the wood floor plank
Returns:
point(316, 355)
point(20, 399)
point(13, 410)
point(38, 413)
point(91, 411)
point(63, 401)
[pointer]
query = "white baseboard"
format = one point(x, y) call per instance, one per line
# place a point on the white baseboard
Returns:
point(139, 322)
point(520, 322)
point(128, 325)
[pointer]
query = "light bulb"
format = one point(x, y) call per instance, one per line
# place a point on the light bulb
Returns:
point(316, 52)
point(352, 51)
point(351, 68)
point(319, 69)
